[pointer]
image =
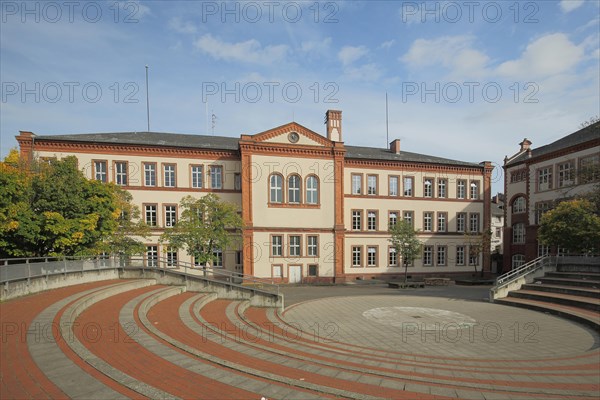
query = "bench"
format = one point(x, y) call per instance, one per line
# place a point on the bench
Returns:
point(437, 281)
point(403, 285)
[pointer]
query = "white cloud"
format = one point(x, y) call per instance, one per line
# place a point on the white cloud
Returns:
point(250, 51)
point(387, 44)
point(349, 54)
point(180, 26)
point(570, 5)
point(549, 55)
point(453, 52)
point(316, 46)
point(367, 72)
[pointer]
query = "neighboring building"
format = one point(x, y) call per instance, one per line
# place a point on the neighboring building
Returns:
point(535, 179)
point(314, 209)
point(497, 228)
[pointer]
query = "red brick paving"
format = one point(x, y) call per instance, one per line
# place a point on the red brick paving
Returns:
point(21, 378)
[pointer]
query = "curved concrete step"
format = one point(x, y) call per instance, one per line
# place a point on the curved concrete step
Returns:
point(591, 276)
point(586, 303)
point(585, 317)
point(569, 282)
point(49, 351)
point(564, 289)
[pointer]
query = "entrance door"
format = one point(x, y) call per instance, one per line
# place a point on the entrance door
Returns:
point(295, 274)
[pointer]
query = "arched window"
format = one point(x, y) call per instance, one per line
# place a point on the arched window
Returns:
point(312, 190)
point(517, 260)
point(294, 189)
point(519, 205)
point(276, 188)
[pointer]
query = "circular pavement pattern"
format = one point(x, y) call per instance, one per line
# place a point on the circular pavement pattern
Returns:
point(441, 327)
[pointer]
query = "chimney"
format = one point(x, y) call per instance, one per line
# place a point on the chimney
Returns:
point(395, 146)
point(525, 144)
point(333, 119)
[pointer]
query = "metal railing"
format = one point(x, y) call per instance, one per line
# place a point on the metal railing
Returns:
point(17, 269)
point(532, 266)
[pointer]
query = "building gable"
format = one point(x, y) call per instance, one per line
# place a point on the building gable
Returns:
point(292, 134)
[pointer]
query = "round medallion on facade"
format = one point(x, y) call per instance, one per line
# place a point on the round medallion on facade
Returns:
point(293, 137)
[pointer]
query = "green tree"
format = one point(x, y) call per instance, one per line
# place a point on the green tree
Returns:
point(573, 225)
point(477, 243)
point(404, 239)
point(123, 241)
point(50, 208)
point(206, 224)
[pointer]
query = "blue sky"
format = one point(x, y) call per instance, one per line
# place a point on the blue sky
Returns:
point(465, 80)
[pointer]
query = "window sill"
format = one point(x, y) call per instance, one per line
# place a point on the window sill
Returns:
point(293, 205)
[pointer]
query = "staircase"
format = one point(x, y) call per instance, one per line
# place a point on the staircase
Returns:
point(572, 291)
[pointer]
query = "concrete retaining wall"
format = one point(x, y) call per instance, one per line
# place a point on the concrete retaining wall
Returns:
point(20, 288)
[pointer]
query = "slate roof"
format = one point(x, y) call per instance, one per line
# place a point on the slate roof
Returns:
point(232, 143)
point(151, 139)
point(583, 135)
point(373, 153)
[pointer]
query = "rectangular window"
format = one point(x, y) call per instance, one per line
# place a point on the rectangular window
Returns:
point(566, 174)
point(356, 256)
point(393, 186)
point(239, 257)
point(100, 171)
point(151, 256)
point(197, 176)
point(216, 177)
point(441, 255)
point(460, 255)
point(519, 233)
point(589, 168)
point(294, 246)
point(392, 257)
point(313, 270)
point(171, 257)
point(408, 216)
point(149, 174)
point(217, 258)
point(169, 175)
point(312, 246)
point(427, 221)
point(356, 220)
point(150, 214)
point(276, 246)
point(121, 173)
point(474, 190)
point(237, 181)
point(372, 184)
point(473, 256)
point(371, 256)
point(461, 189)
point(474, 222)
point(277, 271)
point(371, 220)
point(540, 210)
point(461, 221)
point(392, 219)
point(427, 256)
point(428, 187)
point(442, 217)
point(170, 215)
point(442, 185)
point(356, 184)
point(544, 176)
point(498, 232)
point(542, 250)
point(408, 186)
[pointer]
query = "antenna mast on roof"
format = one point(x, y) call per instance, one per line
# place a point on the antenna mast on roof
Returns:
point(387, 134)
point(147, 100)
